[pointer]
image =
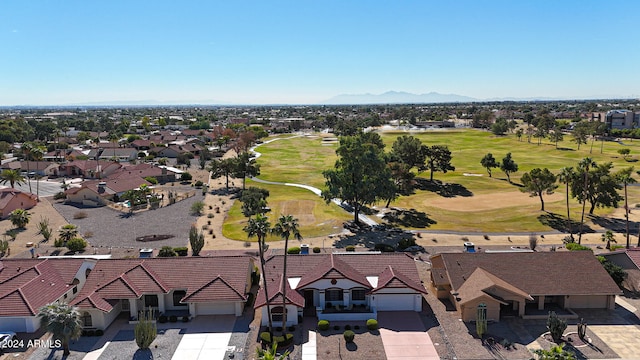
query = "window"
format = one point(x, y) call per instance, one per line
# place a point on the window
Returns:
point(333, 295)
point(75, 289)
point(276, 313)
point(358, 294)
point(150, 301)
point(86, 320)
point(177, 296)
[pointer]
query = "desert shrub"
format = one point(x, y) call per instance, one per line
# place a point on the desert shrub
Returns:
point(351, 248)
point(265, 337)
point(197, 207)
point(186, 176)
point(293, 250)
point(60, 196)
point(145, 331)
point(167, 251)
point(372, 324)
point(616, 247)
point(152, 180)
point(58, 242)
point(88, 234)
point(80, 215)
point(405, 243)
point(181, 251)
point(173, 318)
point(210, 216)
point(577, 247)
point(316, 250)
point(76, 244)
point(198, 184)
point(323, 325)
point(99, 332)
point(383, 247)
point(349, 336)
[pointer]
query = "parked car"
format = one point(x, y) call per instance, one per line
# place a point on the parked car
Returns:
point(5, 338)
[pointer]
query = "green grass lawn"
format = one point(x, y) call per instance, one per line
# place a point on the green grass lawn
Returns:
point(316, 218)
point(302, 160)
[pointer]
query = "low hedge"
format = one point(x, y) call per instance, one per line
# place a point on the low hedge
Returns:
point(323, 325)
point(181, 251)
point(351, 248)
point(576, 247)
point(293, 250)
point(316, 250)
point(372, 324)
point(349, 336)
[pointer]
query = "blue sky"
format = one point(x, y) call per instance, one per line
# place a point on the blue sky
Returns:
point(262, 52)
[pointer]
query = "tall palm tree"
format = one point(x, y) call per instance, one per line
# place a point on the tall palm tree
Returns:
point(566, 176)
point(625, 177)
point(12, 177)
point(26, 150)
point(62, 321)
point(114, 139)
point(37, 154)
point(260, 227)
point(584, 165)
point(286, 226)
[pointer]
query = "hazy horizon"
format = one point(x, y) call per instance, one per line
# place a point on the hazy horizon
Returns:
point(291, 52)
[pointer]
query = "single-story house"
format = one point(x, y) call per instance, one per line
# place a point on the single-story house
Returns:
point(89, 168)
point(95, 192)
point(12, 199)
point(346, 286)
point(41, 168)
point(120, 154)
point(28, 284)
point(525, 284)
point(185, 286)
point(144, 170)
point(629, 261)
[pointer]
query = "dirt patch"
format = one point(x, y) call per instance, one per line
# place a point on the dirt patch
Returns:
point(490, 201)
point(302, 207)
point(153, 237)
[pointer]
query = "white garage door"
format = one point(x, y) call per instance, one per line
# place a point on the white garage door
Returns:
point(394, 302)
point(215, 308)
point(13, 324)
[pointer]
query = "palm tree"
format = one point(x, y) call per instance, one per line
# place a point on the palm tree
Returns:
point(286, 226)
point(625, 176)
point(12, 177)
point(566, 177)
point(260, 227)
point(67, 232)
point(584, 165)
point(19, 218)
point(114, 139)
point(26, 150)
point(37, 154)
point(62, 321)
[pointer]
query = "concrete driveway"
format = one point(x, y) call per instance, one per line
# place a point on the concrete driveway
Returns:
point(404, 336)
point(206, 338)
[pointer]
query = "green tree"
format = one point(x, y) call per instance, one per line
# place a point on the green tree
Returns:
point(12, 177)
point(67, 232)
point(286, 227)
point(583, 175)
point(205, 155)
point(489, 162)
point(260, 227)
point(254, 201)
point(625, 153)
point(27, 148)
point(508, 166)
point(538, 182)
point(402, 184)
point(616, 272)
point(438, 158)
point(556, 136)
point(76, 244)
point(566, 176)
point(410, 151)
point(500, 127)
point(62, 321)
point(19, 218)
point(196, 240)
point(609, 237)
point(519, 134)
point(360, 176)
point(600, 187)
point(222, 167)
point(624, 176)
point(246, 166)
point(556, 352)
point(580, 133)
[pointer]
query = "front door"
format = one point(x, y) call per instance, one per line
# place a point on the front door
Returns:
point(309, 306)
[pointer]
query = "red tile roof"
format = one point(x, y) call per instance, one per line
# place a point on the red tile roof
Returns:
point(28, 284)
point(392, 279)
point(536, 273)
point(275, 295)
point(115, 279)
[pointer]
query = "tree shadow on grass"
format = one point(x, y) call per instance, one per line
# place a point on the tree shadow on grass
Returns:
point(565, 149)
point(369, 239)
point(614, 224)
point(448, 190)
point(559, 223)
point(409, 218)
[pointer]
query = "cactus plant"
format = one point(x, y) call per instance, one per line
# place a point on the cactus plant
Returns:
point(582, 329)
point(4, 247)
point(556, 326)
point(481, 320)
point(145, 330)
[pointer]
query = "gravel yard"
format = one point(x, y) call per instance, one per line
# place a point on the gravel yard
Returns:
point(112, 228)
point(366, 345)
point(123, 346)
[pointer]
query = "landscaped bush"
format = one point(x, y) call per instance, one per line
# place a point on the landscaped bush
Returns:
point(198, 184)
point(384, 248)
point(99, 332)
point(181, 251)
point(316, 250)
point(58, 242)
point(152, 180)
point(351, 248)
point(293, 250)
point(162, 319)
point(616, 247)
point(372, 324)
point(166, 251)
point(210, 216)
point(173, 318)
point(60, 196)
point(265, 337)
point(323, 325)
point(76, 244)
point(349, 336)
point(186, 176)
point(577, 247)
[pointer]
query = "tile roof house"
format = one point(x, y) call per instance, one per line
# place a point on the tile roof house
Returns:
point(89, 168)
point(189, 286)
point(42, 168)
point(522, 284)
point(95, 192)
point(629, 260)
point(352, 286)
point(28, 284)
point(12, 199)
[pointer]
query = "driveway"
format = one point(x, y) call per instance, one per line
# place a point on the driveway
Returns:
point(404, 336)
point(206, 338)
